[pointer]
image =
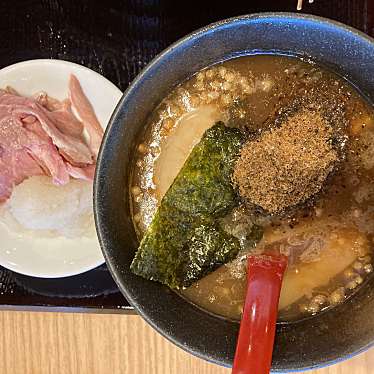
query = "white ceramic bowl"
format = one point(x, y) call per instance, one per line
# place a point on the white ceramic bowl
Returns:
point(55, 257)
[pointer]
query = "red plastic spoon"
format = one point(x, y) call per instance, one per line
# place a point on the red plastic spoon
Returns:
point(257, 329)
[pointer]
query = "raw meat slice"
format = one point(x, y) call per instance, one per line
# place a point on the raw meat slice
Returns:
point(85, 173)
point(41, 135)
point(25, 153)
point(86, 114)
point(66, 122)
point(71, 148)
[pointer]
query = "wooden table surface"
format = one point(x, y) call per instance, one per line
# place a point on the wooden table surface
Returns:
point(62, 343)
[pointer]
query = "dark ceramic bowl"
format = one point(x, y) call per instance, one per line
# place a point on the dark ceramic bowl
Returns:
point(324, 339)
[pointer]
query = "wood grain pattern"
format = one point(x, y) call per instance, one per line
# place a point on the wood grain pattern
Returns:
point(61, 343)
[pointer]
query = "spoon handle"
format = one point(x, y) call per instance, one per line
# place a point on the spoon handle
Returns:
point(257, 329)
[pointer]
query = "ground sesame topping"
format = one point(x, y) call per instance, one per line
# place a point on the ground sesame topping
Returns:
point(287, 165)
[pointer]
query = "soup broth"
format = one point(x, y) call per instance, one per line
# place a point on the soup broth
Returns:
point(328, 239)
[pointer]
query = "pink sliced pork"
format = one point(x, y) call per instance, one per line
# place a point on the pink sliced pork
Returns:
point(25, 153)
point(41, 135)
point(11, 174)
point(85, 173)
point(66, 122)
point(86, 113)
point(71, 148)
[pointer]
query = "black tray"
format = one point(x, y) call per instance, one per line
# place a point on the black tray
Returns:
point(117, 39)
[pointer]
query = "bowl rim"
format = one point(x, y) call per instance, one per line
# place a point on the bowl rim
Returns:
point(132, 87)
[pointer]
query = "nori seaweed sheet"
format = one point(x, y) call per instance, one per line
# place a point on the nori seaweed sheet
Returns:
point(184, 242)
